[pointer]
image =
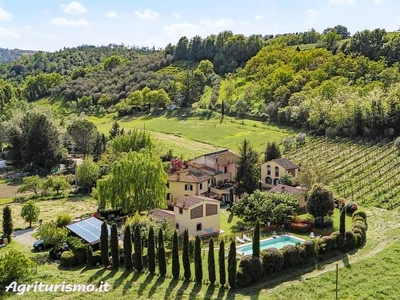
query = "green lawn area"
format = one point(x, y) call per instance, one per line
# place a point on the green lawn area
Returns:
point(227, 221)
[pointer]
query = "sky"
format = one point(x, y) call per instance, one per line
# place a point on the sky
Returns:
point(51, 25)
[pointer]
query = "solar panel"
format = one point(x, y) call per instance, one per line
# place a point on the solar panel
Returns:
point(88, 229)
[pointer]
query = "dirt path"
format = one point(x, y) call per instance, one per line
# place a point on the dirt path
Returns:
point(7, 191)
point(383, 229)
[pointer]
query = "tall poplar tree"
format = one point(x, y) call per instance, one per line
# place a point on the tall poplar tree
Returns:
point(138, 249)
point(162, 265)
point(198, 269)
point(114, 246)
point(221, 263)
point(151, 251)
point(211, 262)
point(185, 255)
point(175, 256)
point(7, 222)
point(232, 265)
point(256, 240)
point(104, 244)
point(128, 248)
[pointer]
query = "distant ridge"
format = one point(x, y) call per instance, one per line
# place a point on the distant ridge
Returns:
point(9, 55)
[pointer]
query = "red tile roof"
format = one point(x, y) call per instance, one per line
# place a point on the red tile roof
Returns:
point(281, 188)
point(187, 175)
point(161, 214)
point(189, 201)
point(223, 157)
point(286, 163)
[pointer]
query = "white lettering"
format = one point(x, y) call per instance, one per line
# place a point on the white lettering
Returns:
point(90, 288)
point(12, 286)
point(21, 289)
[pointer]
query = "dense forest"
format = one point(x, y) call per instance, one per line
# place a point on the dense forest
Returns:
point(332, 83)
point(9, 55)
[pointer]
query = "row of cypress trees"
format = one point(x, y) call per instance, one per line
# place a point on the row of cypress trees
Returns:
point(129, 264)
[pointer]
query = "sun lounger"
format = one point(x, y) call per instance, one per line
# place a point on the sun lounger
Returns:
point(246, 238)
point(239, 240)
point(312, 235)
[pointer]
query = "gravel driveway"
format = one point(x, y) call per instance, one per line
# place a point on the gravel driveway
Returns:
point(25, 237)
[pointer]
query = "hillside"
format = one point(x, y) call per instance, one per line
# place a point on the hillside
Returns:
point(9, 55)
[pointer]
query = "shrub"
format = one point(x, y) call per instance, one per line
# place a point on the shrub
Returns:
point(243, 278)
point(14, 265)
point(252, 266)
point(63, 220)
point(351, 207)
point(328, 222)
point(68, 259)
point(360, 213)
point(351, 240)
point(359, 224)
point(307, 251)
point(75, 243)
point(272, 260)
point(291, 256)
point(360, 236)
point(358, 218)
point(96, 258)
point(328, 242)
point(80, 256)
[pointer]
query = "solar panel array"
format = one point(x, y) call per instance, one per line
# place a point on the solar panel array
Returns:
point(88, 229)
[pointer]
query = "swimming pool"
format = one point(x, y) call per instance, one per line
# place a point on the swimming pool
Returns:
point(278, 242)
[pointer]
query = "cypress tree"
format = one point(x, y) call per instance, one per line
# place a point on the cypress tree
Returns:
point(89, 255)
point(162, 265)
point(198, 269)
point(7, 222)
point(128, 248)
point(211, 262)
point(138, 250)
point(342, 229)
point(256, 240)
point(151, 251)
point(104, 244)
point(221, 261)
point(232, 265)
point(114, 246)
point(175, 256)
point(185, 255)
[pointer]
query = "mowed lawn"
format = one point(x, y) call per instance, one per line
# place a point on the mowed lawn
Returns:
point(190, 131)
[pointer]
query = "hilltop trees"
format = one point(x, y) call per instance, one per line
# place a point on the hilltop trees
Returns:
point(248, 171)
point(272, 151)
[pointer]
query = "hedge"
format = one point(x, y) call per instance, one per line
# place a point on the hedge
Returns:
point(243, 278)
point(291, 256)
point(253, 266)
point(272, 260)
point(361, 214)
point(307, 251)
point(351, 240)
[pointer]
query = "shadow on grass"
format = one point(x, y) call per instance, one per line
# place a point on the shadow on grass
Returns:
point(145, 283)
point(111, 274)
point(221, 292)
point(121, 279)
point(230, 218)
point(159, 282)
point(210, 291)
point(195, 290)
point(170, 288)
point(180, 291)
point(129, 283)
point(96, 275)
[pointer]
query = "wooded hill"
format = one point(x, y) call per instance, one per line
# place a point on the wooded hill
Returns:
point(329, 82)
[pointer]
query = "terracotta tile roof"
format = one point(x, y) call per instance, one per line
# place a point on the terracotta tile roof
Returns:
point(161, 214)
point(286, 163)
point(281, 188)
point(224, 157)
point(203, 168)
point(190, 176)
point(189, 201)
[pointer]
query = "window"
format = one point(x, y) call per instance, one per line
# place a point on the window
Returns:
point(180, 210)
point(188, 187)
point(196, 212)
point(168, 196)
point(167, 184)
point(177, 226)
point(268, 170)
point(211, 209)
point(276, 172)
point(201, 186)
point(277, 181)
point(226, 169)
point(268, 180)
point(199, 227)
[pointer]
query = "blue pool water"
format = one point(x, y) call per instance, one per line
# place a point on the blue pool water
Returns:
point(278, 242)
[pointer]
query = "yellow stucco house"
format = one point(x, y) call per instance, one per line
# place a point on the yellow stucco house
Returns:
point(209, 175)
point(300, 193)
point(200, 215)
point(271, 171)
